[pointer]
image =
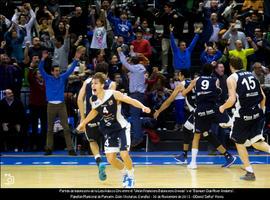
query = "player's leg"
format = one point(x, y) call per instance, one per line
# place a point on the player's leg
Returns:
point(243, 153)
point(93, 135)
point(187, 135)
point(194, 151)
point(262, 146)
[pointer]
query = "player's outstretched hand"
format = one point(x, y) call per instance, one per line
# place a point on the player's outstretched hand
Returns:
point(221, 109)
point(146, 109)
point(156, 114)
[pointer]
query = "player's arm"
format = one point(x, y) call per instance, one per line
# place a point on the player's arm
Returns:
point(80, 100)
point(231, 84)
point(126, 99)
point(263, 101)
point(189, 88)
point(168, 101)
point(91, 115)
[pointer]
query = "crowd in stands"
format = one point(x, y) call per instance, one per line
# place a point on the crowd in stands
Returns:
point(158, 38)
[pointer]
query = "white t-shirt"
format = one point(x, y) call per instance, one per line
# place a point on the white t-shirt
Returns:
point(99, 40)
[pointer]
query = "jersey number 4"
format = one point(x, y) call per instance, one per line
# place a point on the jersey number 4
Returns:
point(249, 82)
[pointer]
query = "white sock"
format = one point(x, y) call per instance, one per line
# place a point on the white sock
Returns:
point(131, 173)
point(250, 169)
point(97, 156)
point(194, 153)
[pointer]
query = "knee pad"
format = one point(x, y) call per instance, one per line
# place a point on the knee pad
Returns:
point(211, 139)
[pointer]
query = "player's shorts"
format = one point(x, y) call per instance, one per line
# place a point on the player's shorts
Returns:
point(189, 124)
point(118, 141)
point(93, 133)
point(247, 132)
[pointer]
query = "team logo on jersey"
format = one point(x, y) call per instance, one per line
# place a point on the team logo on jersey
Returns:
point(105, 111)
point(111, 102)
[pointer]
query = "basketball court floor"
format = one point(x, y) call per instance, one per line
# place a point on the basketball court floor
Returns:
point(152, 170)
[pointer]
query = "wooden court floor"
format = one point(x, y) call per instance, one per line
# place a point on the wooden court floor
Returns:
point(170, 176)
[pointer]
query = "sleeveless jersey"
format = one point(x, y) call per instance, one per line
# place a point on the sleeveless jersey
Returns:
point(112, 119)
point(248, 93)
point(206, 92)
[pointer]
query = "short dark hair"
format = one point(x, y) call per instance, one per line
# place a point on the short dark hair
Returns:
point(102, 67)
point(207, 69)
point(54, 66)
point(135, 60)
point(185, 73)
point(236, 62)
point(100, 76)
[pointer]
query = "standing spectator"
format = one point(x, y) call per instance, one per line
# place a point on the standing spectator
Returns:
point(12, 120)
point(232, 34)
point(55, 85)
point(119, 42)
point(166, 19)
point(78, 23)
point(21, 19)
point(99, 40)
point(14, 42)
point(243, 53)
point(121, 26)
point(137, 89)
point(182, 54)
point(37, 104)
point(141, 45)
point(61, 51)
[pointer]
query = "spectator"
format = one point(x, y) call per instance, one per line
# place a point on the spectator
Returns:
point(258, 72)
point(99, 40)
point(141, 45)
point(12, 121)
point(20, 19)
point(121, 26)
point(37, 104)
point(55, 85)
point(169, 17)
point(137, 89)
point(243, 53)
point(210, 55)
point(182, 55)
point(119, 42)
point(232, 34)
point(15, 41)
point(254, 5)
point(78, 23)
point(61, 50)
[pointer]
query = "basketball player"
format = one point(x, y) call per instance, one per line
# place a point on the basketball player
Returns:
point(190, 101)
point(206, 113)
point(248, 120)
point(116, 130)
point(92, 132)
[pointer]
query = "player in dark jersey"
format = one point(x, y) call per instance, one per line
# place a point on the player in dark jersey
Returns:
point(113, 125)
point(206, 113)
point(190, 101)
point(248, 120)
point(92, 132)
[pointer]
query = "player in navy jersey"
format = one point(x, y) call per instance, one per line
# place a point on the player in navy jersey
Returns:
point(248, 120)
point(190, 101)
point(115, 128)
point(206, 113)
point(92, 133)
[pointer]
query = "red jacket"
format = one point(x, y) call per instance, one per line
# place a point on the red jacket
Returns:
point(37, 90)
point(143, 46)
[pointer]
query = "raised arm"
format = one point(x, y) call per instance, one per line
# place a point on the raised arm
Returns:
point(74, 64)
point(41, 64)
point(126, 99)
point(124, 60)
